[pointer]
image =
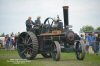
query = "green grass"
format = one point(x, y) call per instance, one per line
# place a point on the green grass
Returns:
point(9, 58)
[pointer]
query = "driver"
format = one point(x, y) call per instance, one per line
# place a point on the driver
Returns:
point(38, 21)
point(29, 24)
point(58, 24)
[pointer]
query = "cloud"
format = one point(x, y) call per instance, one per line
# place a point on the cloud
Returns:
point(13, 13)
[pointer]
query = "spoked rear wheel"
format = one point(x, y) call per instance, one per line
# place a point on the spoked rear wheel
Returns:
point(27, 45)
point(80, 50)
point(56, 50)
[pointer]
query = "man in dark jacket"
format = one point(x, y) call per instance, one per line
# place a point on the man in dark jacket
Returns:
point(29, 24)
point(38, 21)
point(97, 43)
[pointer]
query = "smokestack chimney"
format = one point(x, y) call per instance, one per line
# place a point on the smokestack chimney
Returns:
point(65, 13)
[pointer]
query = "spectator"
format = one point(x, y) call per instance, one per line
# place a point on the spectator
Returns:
point(7, 40)
point(11, 43)
point(82, 36)
point(15, 41)
point(97, 43)
point(93, 42)
point(87, 41)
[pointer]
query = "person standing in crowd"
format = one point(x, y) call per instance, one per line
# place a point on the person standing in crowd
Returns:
point(93, 42)
point(29, 24)
point(11, 44)
point(82, 36)
point(97, 43)
point(87, 38)
point(7, 41)
point(15, 41)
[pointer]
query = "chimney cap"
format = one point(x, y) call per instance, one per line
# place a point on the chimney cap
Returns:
point(65, 7)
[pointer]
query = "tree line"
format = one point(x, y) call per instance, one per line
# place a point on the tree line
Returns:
point(89, 28)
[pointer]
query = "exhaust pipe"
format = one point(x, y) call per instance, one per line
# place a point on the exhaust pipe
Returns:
point(65, 13)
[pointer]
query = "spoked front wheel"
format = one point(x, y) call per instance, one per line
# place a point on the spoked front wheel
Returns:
point(80, 50)
point(56, 50)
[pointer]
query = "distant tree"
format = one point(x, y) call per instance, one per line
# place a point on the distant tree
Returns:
point(98, 28)
point(86, 28)
point(3, 34)
point(0, 34)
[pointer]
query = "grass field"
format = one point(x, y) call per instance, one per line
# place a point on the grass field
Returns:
point(11, 58)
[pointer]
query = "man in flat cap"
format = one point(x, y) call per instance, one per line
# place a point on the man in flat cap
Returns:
point(29, 24)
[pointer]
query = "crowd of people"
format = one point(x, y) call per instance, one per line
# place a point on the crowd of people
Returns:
point(10, 41)
point(92, 40)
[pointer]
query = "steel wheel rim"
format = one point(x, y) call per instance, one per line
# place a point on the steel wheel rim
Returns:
point(25, 45)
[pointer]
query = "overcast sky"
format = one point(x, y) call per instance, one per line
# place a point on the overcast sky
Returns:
point(14, 13)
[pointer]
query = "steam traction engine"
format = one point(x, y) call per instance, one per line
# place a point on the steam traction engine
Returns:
point(50, 41)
